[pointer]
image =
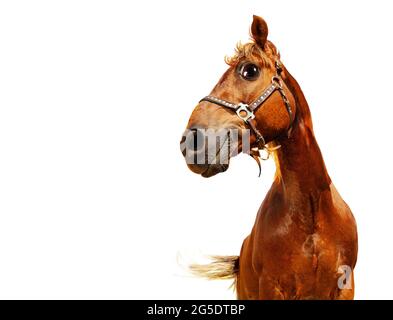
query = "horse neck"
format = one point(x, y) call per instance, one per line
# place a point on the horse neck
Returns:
point(300, 166)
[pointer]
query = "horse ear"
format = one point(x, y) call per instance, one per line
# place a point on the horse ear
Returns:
point(259, 31)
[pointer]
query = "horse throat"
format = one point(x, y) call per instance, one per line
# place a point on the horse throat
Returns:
point(300, 166)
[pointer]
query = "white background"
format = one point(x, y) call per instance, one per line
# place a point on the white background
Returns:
point(95, 198)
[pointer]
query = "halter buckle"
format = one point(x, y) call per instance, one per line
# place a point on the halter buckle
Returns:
point(277, 81)
point(241, 108)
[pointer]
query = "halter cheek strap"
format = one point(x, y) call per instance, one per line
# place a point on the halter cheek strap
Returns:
point(246, 111)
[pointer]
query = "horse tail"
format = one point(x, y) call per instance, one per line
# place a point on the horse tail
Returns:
point(221, 268)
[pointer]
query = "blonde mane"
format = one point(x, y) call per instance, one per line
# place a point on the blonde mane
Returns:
point(252, 50)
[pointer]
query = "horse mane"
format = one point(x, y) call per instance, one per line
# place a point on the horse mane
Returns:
point(252, 50)
point(302, 109)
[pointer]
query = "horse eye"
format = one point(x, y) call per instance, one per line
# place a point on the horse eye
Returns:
point(249, 71)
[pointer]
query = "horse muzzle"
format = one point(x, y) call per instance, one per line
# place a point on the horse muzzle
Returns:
point(206, 152)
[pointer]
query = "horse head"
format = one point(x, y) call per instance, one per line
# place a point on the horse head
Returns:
point(246, 111)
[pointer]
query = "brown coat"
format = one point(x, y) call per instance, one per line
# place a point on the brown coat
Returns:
point(304, 240)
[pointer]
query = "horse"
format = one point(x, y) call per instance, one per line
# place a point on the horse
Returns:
point(303, 244)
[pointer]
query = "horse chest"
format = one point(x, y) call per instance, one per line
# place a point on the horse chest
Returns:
point(305, 246)
point(293, 238)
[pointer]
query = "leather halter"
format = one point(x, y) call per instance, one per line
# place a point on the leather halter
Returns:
point(246, 111)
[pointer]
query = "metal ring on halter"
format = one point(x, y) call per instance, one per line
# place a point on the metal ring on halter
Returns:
point(277, 80)
point(266, 150)
point(242, 107)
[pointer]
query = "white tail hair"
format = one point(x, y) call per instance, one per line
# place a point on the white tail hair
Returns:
point(221, 268)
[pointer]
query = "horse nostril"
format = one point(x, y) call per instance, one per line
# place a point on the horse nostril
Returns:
point(196, 140)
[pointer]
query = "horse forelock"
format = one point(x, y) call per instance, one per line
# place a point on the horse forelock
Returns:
point(250, 50)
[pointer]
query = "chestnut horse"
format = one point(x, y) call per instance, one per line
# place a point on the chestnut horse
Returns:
point(304, 241)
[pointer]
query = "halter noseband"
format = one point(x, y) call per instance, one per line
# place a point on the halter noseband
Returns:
point(246, 111)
